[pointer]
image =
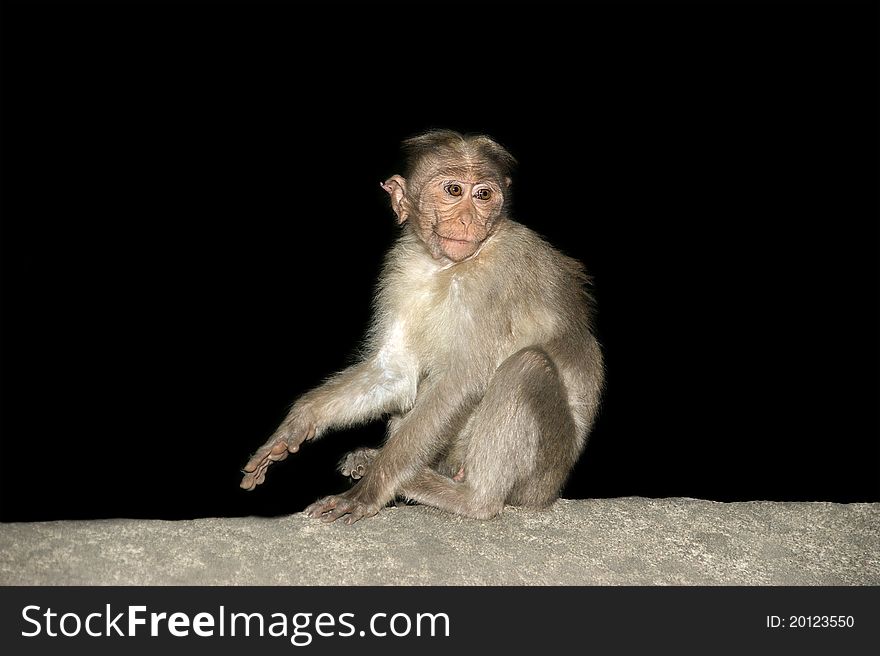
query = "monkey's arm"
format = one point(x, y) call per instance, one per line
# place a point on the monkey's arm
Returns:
point(382, 383)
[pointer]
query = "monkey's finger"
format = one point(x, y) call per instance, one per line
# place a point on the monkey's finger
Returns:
point(277, 457)
point(266, 451)
point(293, 443)
point(260, 474)
point(251, 479)
point(255, 461)
point(278, 447)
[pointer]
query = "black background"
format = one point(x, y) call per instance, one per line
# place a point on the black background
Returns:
point(192, 227)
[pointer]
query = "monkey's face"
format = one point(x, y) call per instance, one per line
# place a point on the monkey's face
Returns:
point(456, 212)
point(453, 199)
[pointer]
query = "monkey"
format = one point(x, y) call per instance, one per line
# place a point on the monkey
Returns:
point(481, 352)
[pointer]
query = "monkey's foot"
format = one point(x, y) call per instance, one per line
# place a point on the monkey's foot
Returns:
point(331, 508)
point(355, 464)
point(285, 441)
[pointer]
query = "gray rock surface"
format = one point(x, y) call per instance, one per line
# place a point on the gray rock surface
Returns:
point(628, 541)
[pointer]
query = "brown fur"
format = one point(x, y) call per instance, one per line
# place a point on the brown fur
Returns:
point(481, 352)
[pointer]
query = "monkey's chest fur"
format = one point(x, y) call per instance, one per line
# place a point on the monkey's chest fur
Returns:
point(465, 319)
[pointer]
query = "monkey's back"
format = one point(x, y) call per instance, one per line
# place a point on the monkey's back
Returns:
point(549, 298)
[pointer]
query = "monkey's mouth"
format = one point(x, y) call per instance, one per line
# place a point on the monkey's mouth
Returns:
point(453, 239)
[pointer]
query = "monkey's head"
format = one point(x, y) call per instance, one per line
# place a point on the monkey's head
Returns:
point(454, 191)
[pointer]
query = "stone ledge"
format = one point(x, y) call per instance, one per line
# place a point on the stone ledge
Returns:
point(627, 541)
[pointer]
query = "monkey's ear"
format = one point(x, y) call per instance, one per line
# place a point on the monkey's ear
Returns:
point(507, 182)
point(396, 188)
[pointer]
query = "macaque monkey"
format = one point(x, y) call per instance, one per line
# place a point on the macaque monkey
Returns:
point(481, 352)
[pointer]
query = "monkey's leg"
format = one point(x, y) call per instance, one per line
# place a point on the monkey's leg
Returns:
point(415, 440)
point(355, 464)
point(522, 443)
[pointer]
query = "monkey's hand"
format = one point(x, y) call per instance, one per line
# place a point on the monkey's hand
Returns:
point(331, 508)
point(287, 439)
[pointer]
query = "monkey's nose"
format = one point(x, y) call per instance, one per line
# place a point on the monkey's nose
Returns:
point(466, 218)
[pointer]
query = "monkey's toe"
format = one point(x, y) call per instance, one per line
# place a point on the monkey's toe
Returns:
point(355, 464)
point(331, 508)
point(321, 506)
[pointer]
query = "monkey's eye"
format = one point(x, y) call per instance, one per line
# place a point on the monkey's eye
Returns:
point(453, 189)
point(483, 194)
